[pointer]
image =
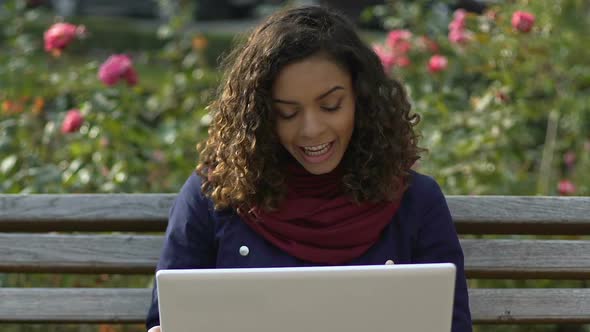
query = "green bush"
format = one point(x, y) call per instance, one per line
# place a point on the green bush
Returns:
point(510, 113)
point(137, 138)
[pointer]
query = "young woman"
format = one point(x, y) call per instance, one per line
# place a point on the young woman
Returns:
point(308, 162)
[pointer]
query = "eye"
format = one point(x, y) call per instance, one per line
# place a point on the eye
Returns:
point(287, 116)
point(334, 107)
point(331, 108)
point(286, 112)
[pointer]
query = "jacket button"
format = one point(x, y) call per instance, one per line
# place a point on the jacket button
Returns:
point(389, 262)
point(244, 251)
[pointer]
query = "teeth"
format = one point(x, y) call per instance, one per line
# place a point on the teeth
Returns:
point(316, 150)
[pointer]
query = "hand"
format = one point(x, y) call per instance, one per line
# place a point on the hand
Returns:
point(155, 329)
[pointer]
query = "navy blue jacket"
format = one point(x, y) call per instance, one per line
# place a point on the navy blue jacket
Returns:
point(422, 231)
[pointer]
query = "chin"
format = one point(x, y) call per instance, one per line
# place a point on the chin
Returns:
point(319, 169)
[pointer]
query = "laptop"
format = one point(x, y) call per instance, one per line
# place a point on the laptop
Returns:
point(407, 298)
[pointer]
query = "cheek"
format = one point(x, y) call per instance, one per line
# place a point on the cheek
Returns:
point(349, 121)
point(283, 133)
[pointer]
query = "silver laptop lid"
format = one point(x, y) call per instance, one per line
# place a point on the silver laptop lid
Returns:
point(409, 298)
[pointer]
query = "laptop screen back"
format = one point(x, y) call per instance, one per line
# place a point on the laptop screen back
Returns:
point(409, 298)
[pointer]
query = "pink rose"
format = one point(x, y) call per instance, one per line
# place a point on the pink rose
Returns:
point(566, 187)
point(117, 67)
point(458, 34)
point(437, 63)
point(386, 58)
point(72, 122)
point(402, 61)
point(399, 41)
point(459, 20)
point(523, 21)
point(460, 15)
point(60, 35)
point(391, 59)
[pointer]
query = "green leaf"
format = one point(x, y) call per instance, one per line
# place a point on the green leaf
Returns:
point(8, 163)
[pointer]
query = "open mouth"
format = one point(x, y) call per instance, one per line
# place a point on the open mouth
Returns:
point(317, 150)
point(318, 153)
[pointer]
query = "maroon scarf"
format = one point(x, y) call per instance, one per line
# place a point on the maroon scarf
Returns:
point(318, 223)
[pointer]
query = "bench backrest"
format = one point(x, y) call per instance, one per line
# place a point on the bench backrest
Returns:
point(65, 234)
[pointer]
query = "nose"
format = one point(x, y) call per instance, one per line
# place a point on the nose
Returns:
point(313, 124)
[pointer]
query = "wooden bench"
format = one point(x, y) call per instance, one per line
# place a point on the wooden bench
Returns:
point(65, 234)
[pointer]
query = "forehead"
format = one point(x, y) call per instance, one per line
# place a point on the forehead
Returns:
point(309, 78)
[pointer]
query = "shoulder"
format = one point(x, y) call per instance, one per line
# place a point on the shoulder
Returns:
point(190, 197)
point(423, 186)
point(191, 194)
point(426, 212)
point(191, 191)
point(423, 193)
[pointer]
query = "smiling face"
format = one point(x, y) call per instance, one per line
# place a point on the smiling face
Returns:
point(315, 105)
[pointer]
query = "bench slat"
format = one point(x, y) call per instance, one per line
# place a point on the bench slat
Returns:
point(74, 305)
point(547, 215)
point(506, 306)
point(148, 212)
point(138, 254)
point(527, 259)
point(84, 212)
point(94, 305)
point(135, 254)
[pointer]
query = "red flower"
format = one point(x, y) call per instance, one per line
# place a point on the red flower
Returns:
point(459, 36)
point(72, 122)
point(566, 187)
point(386, 58)
point(115, 68)
point(390, 58)
point(459, 19)
point(402, 61)
point(399, 41)
point(523, 21)
point(60, 35)
point(437, 63)
point(457, 32)
point(395, 51)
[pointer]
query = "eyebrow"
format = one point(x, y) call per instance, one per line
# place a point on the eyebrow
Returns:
point(323, 95)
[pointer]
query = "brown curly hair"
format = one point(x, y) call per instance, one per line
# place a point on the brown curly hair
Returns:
point(242, 160)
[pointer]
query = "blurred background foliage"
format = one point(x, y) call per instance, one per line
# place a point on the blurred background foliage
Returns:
point(133, 139)
point(509, 113)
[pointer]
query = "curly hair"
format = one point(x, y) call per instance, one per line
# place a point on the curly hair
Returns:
point(242, 160)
